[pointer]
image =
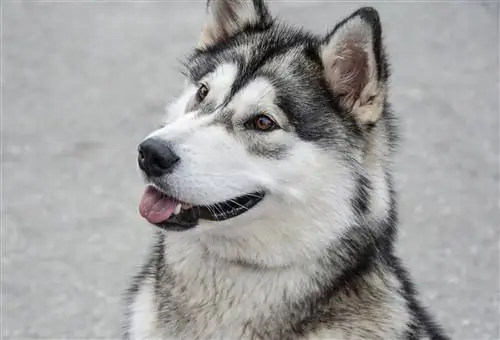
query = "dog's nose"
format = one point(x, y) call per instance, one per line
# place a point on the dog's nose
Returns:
point(156, 158)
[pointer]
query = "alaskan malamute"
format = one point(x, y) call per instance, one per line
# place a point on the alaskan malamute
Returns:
point(270, 183)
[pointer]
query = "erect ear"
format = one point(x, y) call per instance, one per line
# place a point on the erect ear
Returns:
point(225, 18)
point(354, 65)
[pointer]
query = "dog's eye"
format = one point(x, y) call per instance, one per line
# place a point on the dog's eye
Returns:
point(202, 92)
point(263, 123)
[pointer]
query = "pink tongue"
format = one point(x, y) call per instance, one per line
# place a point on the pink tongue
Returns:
point(156, 207)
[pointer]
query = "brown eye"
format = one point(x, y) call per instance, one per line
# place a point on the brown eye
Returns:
point(202, 92)
point(264, 123)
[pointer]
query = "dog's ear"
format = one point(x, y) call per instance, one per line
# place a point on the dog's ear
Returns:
point(225, 18)
point(355, 66)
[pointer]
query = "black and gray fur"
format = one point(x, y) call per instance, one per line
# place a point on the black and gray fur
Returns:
point(357, 288)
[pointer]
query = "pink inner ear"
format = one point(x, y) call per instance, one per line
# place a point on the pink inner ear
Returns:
point(349, 72)
point(225, 18)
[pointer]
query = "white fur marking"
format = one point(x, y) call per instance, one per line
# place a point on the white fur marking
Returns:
point(219, 82)
point(143, 322)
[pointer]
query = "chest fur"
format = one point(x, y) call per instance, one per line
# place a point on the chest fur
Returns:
point(228, 302)
point(237, 304)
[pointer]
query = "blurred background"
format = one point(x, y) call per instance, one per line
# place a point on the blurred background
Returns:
point(85, 81)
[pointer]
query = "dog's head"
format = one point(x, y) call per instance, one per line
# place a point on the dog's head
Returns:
point(274, 137)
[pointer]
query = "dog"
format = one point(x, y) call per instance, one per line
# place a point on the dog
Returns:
point(271, 186)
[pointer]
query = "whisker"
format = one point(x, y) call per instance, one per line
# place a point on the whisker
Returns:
point(233, 201)
point(209, 209)
point(221, 212)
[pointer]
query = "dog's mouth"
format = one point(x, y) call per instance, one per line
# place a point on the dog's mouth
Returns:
point(171, 214)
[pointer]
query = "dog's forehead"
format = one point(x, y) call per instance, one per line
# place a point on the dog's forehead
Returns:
point(288, 59)
point(252, 94)
point(247, 73)
point(252, 51)
point(258, 94)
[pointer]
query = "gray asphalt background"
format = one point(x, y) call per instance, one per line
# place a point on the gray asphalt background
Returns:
point(84, 82)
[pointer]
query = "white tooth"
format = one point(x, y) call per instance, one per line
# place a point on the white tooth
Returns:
point(186, 206)
point(177, 209)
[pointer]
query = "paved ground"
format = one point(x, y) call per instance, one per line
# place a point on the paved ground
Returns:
point(84, 82)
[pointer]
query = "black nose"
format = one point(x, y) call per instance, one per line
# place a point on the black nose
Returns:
point(156, 158)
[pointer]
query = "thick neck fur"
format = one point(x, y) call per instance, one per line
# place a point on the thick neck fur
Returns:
point(351, 281)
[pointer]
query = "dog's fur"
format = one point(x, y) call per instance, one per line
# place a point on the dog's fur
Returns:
point(314, 259)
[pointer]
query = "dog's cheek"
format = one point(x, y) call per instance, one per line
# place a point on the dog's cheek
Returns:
point(304, 172)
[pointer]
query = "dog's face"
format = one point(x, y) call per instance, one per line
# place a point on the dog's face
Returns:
point(271, 127)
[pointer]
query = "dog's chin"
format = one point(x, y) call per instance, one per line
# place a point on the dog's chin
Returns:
point(189, 215)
